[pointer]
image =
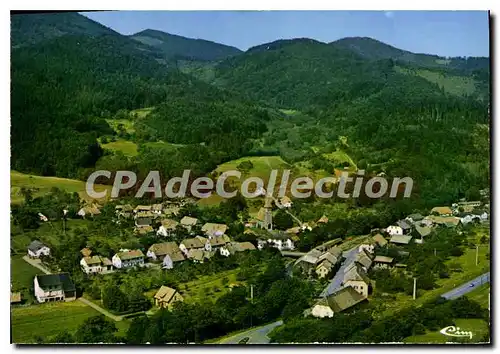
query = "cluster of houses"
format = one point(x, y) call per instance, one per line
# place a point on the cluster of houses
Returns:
point(417, 227)
point(321, 260)
point(355, 286)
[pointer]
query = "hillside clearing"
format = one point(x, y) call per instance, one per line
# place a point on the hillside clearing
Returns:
point(128, 148)
point(42, 185)
point(456, 85)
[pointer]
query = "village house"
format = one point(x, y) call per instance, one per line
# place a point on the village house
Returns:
point(89, 210)
point(86, 252)
point(15, 298)
point(165, 297)
point(442, 211)
point(171, 210)
point(355, 276)
point(167, 228)
point(143, 230)
point(447, 221)
point(307, 263)
point(342, 300)
point(394, 230)
point(216, 242)
point(379, 240)
point(128, 259)
point(198, 255)
point(286, 202)
point(124, 211)
point(364, 258)
point(279, 240)
point(54, 287)
point(188, 222)
point(144, 218)
point(400, 239)
point(405, 226)
point(167, 252)
point(422, 230)
point(36, 249)
point(157, 209)
point(211, 229)
point(142, 208)
point(324, 267)
point(413, 218)
point(473, 204)
point(322, 220)
point(96, 265)
point(383, 262)
point(233, 247)
point(192, 243)
point(427, 221)
point(321, 262)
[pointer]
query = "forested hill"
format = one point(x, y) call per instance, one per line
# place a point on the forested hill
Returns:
point(174, 46)
point(64, 86)
point(373, 49)
point(302, 72)
point(32, 28)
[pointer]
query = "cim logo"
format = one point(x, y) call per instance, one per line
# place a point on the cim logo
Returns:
point(453, 331)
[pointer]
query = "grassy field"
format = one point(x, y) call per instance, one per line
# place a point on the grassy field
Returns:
point(141, 112)
point(128, 148)
point(456, 85)
point(42, 185)
point(22, 273)
point(478, 328)
point(203, 289)
point(481, 295)
point(47, 319)
point(127, 124)
point(339, 157)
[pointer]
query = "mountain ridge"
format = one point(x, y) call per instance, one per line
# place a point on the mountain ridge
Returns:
point(176, 46)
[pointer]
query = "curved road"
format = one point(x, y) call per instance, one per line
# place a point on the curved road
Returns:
point(257, 335)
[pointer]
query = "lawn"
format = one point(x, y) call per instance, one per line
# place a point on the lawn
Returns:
point(22, 273)
point(203, 288)
point(481, 295)
point(478, 328)
point(42, 185)
point(128, 148)
point(47, 319)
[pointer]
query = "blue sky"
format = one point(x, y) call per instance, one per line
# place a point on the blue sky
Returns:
point(446, 33)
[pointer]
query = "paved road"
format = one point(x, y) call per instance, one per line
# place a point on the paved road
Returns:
point(37, 263)
point(257, 335)
point(335, 283)
point(466, 287)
